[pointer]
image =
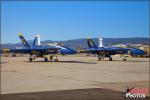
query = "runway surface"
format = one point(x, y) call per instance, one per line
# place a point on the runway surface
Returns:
point(81, 77)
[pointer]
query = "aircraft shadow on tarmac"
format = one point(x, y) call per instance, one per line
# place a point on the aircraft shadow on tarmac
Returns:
point(78, 62)
point(66, 62)
point(4, 62)
point(136, 61)
point(76, 94)
point(123, 61)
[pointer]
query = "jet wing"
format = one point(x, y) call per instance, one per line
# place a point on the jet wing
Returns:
point(97, 49)
point(22, 50)
point(45, 50)
point(111, 51)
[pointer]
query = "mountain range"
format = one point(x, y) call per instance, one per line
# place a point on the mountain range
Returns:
point(81, 43)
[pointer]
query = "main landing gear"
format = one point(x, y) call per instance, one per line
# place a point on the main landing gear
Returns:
point(30, 59)
point(52, 58)
point(45, 59)
point(110, 58)
point(124, 58)
point(99, 58)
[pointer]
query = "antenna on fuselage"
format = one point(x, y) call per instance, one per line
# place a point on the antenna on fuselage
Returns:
point(100, 42)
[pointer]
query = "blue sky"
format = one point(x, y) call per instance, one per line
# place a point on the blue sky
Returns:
point(64, 20)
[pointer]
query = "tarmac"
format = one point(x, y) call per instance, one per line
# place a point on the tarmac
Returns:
point(74, 77)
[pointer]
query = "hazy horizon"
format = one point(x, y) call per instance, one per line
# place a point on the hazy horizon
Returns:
point(19, 41)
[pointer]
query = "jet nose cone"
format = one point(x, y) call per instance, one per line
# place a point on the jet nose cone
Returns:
point(67, 51)
point(137, 52)
point(142, 52)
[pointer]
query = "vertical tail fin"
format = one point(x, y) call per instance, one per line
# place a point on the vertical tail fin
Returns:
point(91, 43)
point(100, 42)
point(24, 42)
point(37, 41)
point(34, 42)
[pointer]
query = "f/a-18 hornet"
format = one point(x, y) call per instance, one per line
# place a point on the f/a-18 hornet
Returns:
point(106, 52)
point(37, 50)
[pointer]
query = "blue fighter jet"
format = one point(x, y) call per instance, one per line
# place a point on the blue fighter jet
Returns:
point(103, 52)
point(37, 50)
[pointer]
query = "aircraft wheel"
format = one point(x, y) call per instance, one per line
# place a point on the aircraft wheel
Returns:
point(46, 59)
point(30, 59)
point(56, 60)
point(99, 59)
point(124, 59)
point(110, 59)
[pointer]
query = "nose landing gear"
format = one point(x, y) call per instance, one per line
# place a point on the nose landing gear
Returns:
point(30, 59)
point(45, 59)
